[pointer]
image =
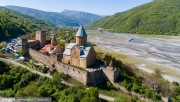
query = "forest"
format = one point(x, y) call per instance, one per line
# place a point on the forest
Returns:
point(157, 17)
point(14, 24)
point(19, 82)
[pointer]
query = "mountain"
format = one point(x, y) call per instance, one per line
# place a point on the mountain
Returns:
point(13, 24)
point(65, 18)
point(82, 17)
point(156, 17)
point(52, 17)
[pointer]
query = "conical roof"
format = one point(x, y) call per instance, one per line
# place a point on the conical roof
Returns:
point(81, 32)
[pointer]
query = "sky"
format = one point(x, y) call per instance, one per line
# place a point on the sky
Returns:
point(101, 7)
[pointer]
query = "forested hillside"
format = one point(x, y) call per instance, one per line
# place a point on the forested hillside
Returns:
point(156, 17)
point(13, 24)
point(65, 18)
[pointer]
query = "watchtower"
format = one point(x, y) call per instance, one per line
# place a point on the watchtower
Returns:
point(41, 36)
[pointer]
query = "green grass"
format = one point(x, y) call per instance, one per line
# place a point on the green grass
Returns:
point(114, 54)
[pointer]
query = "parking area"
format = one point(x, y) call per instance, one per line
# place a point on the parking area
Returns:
point(13, 47)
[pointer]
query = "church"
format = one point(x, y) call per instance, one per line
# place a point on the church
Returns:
point(80, 54)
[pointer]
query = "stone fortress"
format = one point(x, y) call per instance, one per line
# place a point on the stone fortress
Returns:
point(76, 60)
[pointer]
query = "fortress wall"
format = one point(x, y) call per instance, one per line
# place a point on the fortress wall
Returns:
point(95, 77)
point(47, 60)
point(92, 77)
point(75, 73)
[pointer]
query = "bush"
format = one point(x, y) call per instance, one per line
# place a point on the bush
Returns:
point(132, 83)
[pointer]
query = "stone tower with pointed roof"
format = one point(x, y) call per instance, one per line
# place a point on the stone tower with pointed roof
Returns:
point(81, 36)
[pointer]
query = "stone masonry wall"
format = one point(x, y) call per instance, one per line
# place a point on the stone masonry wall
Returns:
point(48, 60)
point(79, 75)
point(87, 77)
point(111, 75)
point(95, 77)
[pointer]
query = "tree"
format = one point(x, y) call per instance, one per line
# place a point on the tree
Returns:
point(26, 78)
point(80, 94)
point(136, 87)
point(92, 95)
point(7, 81)
point(6, 34)
point(46, 90)
point(57, 77)
point(7, 93)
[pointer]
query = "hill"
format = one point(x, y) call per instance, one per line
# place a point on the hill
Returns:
point(66, 18)
point(13, 24)
point(82, 17)
point(156, 17)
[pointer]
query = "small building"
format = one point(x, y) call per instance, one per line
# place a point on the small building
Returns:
point(52, 48)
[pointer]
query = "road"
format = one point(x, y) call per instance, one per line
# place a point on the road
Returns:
point(101, 96)
point(163, 52)
point(30, 69)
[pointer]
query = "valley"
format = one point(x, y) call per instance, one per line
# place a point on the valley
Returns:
point(144, 52)
point(59, 50)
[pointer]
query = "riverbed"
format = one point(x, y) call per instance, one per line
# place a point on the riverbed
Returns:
point(164, 52)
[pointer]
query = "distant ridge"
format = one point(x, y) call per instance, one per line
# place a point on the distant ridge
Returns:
point(156, 17)
point(65, 18)
point(83, 17)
